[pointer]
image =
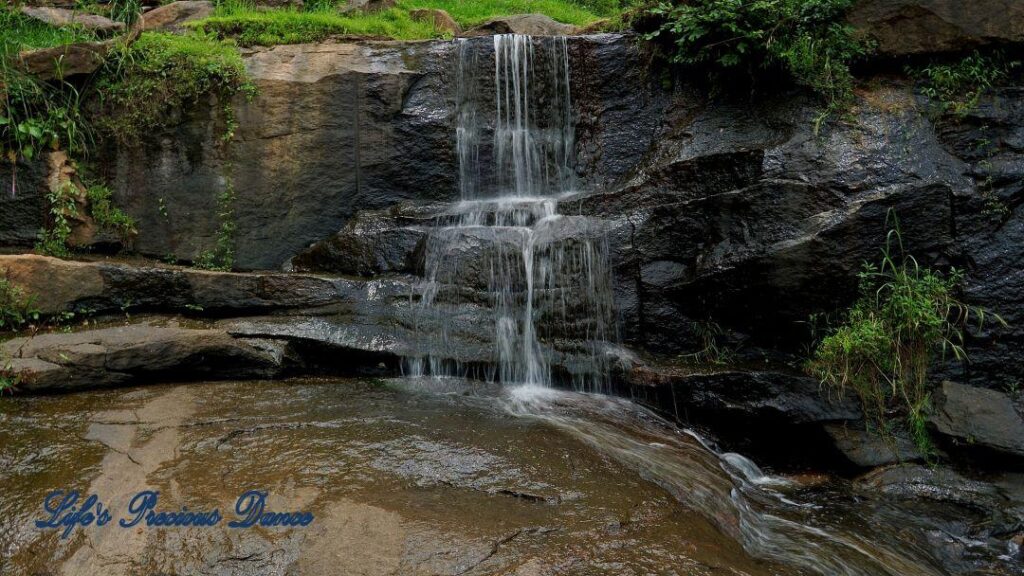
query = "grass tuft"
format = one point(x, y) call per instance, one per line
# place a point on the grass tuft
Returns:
point(905, 318)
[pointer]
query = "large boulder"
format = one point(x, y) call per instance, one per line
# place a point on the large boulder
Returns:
point(912, 27)
point(171, 16)
point(441, 20)
point(528, 24)
point(65, 61)
point(140, 353)
point(978, 417)
point(63, 17)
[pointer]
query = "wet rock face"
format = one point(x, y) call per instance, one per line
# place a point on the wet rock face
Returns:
point(334, 129)
point(980, 418)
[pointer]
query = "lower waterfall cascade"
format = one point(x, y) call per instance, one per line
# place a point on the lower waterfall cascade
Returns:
point(544, 274)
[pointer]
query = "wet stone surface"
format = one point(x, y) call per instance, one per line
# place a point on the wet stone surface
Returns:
point(420, 476)
point(400, 482)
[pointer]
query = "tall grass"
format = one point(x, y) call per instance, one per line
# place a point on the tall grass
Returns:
point(905, 318)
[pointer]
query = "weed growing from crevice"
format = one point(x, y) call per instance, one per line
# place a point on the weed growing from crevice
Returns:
point(907, 316)
point(955, 88)
point(17, 308)
point(63, 203)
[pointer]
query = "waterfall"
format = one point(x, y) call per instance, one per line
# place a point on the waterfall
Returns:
point(543, 274)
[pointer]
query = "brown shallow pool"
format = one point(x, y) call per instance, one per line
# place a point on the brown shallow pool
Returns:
point(408, 477)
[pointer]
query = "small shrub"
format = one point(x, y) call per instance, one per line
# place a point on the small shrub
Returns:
point(36, 115)
point(955, 88)
point(107, 216)
point(807, 39)
point(141, 84)
point(16, 307)
point(905, 317)
point(53, 240)
point(222, 257)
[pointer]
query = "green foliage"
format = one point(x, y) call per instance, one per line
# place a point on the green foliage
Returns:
point(471, 13)
point(713, 350)
point(53, 240)
point(8, 381)
point(222, 257)
point(252, 27)
point(127, 11)
point(107, 216)
point(905, 317)
point(807, 39)
point(142, 83)
point(24, 33)
point(16, 307)
point(36, 115)
point(956, 87)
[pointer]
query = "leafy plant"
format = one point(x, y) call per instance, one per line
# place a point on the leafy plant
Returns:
point(53, 240)
point(807, 39)
point(141, 84)
point(17, 308)
point(108, 216)
point(127, 11)
point(36, 115)
point(8, 380)
point(906, 316)
point(222, 257)
point(956, 87)
point(713, 348)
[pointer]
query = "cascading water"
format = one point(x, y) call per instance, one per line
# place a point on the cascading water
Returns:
point(544, 275)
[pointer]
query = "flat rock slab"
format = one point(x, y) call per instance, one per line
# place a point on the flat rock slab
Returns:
point(139, 353)
point(101, 287)
point(63, 17)
point(980, 417)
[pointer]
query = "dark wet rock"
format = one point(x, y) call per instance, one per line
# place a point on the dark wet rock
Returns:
point(170, 17)
point(869, 449)
point(529, 24)
point(439, 18)
point(912, 27)
point(912, 481)
point(792, 398)
point(977, 417)
point(62, 17)
point(371, 243)
point(140, 353)
point(23, 188)
point(109, 287)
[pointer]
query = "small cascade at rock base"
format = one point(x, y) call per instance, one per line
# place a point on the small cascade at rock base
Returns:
point(544, 275)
